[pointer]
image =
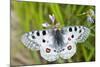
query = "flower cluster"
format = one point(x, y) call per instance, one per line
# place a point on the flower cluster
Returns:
point(90, 16)
point(52, 18)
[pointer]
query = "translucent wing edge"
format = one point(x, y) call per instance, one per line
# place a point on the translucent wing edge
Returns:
point(29, 43)
point(84, 35)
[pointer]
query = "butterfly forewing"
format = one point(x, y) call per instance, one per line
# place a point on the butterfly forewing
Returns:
point(75, 33)
point(84, 34)
point(29, 40)
point(34, 39)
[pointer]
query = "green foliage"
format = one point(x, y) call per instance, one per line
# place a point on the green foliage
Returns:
point(31, 15)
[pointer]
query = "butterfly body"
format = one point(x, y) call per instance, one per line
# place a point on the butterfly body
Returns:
point(55, 43)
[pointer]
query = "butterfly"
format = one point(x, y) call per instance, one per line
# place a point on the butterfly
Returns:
point(56, 43)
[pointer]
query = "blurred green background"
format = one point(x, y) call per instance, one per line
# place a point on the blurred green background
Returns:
point(28, 16)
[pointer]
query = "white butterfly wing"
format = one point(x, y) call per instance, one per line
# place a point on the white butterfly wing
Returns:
point(72, 35)
point(49, 53)
point(68, 51)
point(34, 39)
point(28, 39)
point(41, 40)
point(75, 33)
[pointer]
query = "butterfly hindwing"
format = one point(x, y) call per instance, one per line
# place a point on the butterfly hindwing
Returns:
point(49, 53)
point(68, 51)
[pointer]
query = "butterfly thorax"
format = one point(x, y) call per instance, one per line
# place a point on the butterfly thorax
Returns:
point(58, 39)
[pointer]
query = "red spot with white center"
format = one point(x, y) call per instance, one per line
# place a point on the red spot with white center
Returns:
point(48, 50)
point(69, 47)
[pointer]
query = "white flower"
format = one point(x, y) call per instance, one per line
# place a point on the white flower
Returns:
point(52, 24)
point(91, 12)
point(52, 18)
point(90, 19)
point(46, 25)
point(90, 16)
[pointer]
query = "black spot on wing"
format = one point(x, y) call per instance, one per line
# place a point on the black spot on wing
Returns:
point(72, 36)
point(44, 32)
point(54, 50)
point(80, 31)
point(33, 37)
point(70, 29)
point(38, 33)
point(43, 41)
point(75, 28)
